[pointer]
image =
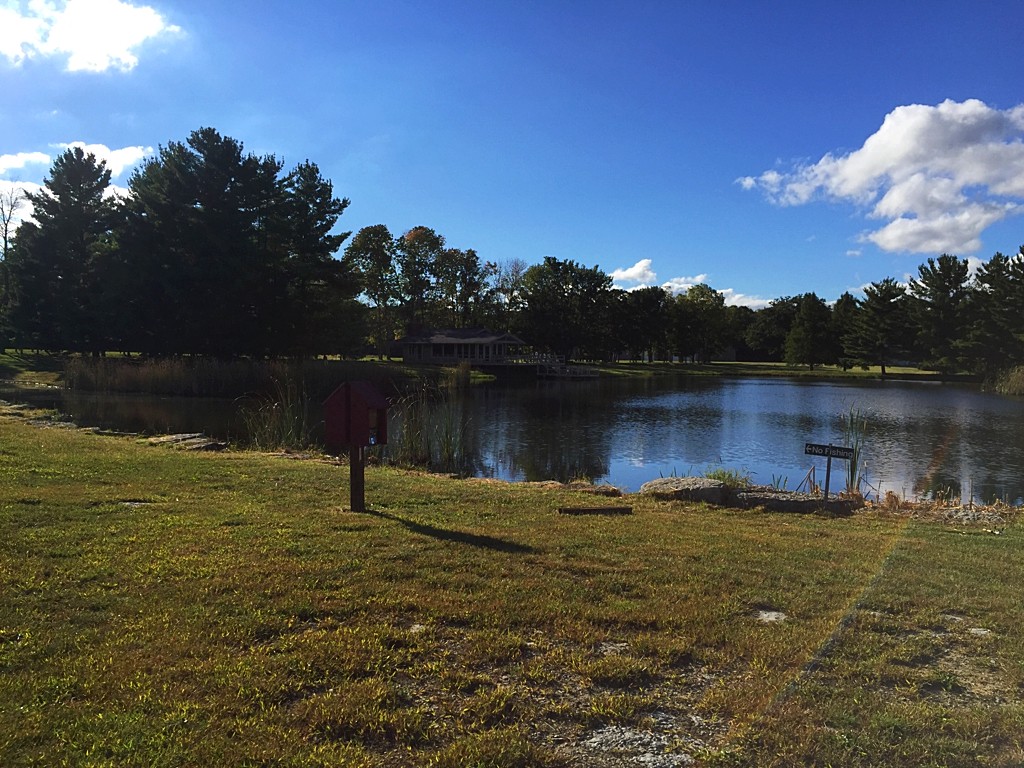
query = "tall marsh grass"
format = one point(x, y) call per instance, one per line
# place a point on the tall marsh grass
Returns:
point(209, 377)
point(855, 426)
point(428, 430)
point(281, 421)
point(1011, 382)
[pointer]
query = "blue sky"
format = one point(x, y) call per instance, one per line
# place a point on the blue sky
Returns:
point(766, 149)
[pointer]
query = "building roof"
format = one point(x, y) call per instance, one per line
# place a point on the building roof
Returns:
point(462, 336)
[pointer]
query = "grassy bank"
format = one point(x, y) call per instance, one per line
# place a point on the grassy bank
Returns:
point(232, 378)
point(773, 370)
point(163, 608)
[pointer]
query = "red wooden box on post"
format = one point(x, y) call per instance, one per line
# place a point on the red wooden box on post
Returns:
point(355, 416)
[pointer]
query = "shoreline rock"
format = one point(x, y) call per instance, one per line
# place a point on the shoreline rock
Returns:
point(703, 489)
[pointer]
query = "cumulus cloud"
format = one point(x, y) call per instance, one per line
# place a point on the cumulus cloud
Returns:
point(677, 285)
point(641, 274)
point(23, 208)
point(736, 299)
point(117, 160)
point(36, 165)
point(94, 35)
point(637, 276)
point(938, 175)
point(733, 298)
point(20, 160)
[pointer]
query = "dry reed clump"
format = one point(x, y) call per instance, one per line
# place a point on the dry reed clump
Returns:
point(946, 510)
point(210, 377)
point(1011, 382)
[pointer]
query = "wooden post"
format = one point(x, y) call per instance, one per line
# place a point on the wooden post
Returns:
point(357, 478)
point(828, 470)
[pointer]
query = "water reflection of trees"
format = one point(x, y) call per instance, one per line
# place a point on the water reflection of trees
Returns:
point(921, 441)
point(552, 432)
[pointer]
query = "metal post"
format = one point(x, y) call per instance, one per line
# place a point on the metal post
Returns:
point(357, 479)
point(828, 470)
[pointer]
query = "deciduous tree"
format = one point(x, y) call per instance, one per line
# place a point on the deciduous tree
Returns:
point(566, 307)
point(701, 323)
point(372, 252)
point(418, 251)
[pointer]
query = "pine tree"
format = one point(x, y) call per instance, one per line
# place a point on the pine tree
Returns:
point(56, 298)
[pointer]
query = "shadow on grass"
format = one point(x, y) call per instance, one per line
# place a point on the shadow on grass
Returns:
point(459, 537)
point(13, 363)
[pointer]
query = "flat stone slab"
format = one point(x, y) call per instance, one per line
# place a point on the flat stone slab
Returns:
point(189, 441)
point(790, 501)
point(698, 489)
point(686, 489)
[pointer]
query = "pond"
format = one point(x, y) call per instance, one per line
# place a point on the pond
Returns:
point(921, 439)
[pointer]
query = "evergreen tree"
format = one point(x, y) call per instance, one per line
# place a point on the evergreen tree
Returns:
point(809, 339)
point(206, 238)
point(56, 295)
point(996, 337)
point(229, 256)
point(844, 315)
point(879, 335)
point(939, 304)
point(321, 316)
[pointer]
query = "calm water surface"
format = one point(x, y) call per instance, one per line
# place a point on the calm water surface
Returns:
point(921, 439)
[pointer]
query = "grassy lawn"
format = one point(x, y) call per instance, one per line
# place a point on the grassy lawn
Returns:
point(30, 369)
point(769, 370)
point(162, 608)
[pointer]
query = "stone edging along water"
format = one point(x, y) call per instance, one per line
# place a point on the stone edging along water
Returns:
point(704, 489)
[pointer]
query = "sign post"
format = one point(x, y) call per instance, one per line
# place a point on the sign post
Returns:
point(829, 451)
point(355, 416)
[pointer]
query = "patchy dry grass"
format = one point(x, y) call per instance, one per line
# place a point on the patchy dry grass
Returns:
point(164, 608)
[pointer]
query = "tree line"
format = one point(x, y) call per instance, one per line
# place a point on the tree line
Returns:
point(215, 251)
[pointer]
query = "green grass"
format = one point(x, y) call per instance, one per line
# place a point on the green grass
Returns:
point(28, 369)
point(765, 370)
point(163, 608)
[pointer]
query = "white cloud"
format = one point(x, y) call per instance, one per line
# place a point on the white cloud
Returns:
point(117, 160)
point(94, 35)
point(20, 160)
point(677, 285)
point(20, 35)
point(733, 298)
point(23, 210)
point(639, 275)
point(736, 299)
point(940, 175)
